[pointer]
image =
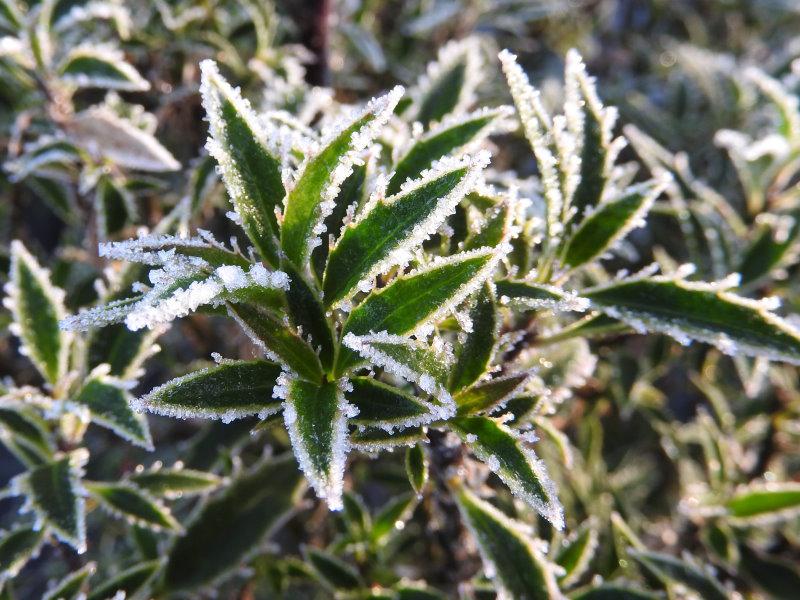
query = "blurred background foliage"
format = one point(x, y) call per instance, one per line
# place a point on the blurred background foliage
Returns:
point(656, 429)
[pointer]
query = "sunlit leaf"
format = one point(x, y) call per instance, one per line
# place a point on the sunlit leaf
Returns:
point(110, 406)
point(227, 391)
point(133, 504)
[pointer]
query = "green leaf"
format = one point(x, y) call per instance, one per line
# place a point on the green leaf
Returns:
point(422, 296)
point(249, 161)
point(531, 296)
point(576, 553)
point(449, 83)
point(95, 67)
point(521, 569)
point(335, 573)
point(614, 591)
point(114, 208)
point(417, 467)
point(308, 314)
point(17, 547)
point(768, 249)
point(384, 235)
point(130, 581)
point(277, 340)
point(136, 506)
point(316, 417)
point(11, 15)
point(351, 194)
point(778, 578)
point(611, 222)
point(698, 311)
point(413, 360)
point(175, 482)
point(489, 395)
point(228, 391)
point(106, 136)
point(518, 466)
point(110, 406)
point(473, 355)
point(451, 138)
point(321, 175)
point(768, 503)
point(73, 586)
point(495, 230)
point(54, 494)
point(377, 439)
point(593, 131)
point(231, 527)
point(397, 510)
point(380, 404)
point(672, 569)
point(37, 306)
point(25, 433)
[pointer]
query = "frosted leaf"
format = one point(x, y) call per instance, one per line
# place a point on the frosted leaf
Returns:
point(106, 136)
point(412, 361)
point(101, 66)
point(463, 55)
point(537, 126)
point(320, 445)
point(37, 307)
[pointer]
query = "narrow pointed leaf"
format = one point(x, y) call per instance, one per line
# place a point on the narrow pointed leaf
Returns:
point(614, 591)
point(532, 296)
point(316, 418)
point(404, 357)
point(594, 133)
point(576, 553)
point(489, 395)
point(702, 312)
point(73, 586)
point(250, 164)
point(335, 573)
point(384, 236)
point(95, 67)
point(37, 307)
point(110, 406)
point(22, 425)
point(175, 483)
point(231, 527)
point(610, 223)
point(108, 137)
point(133, 504)
point(519, 468)
point(54, 494)
point(417, 467)
point(380, 404)
point(768, 249)
point(495, 230)
point(772, 502)
point(398, 509)
point(320, 177)
point(351, 194)
point(130, 581)
point(521, 569)
point(676, 570)
point(448, 139)
point(227, 391)
point(308, 314)
point(377, 439)
point(473, 355)
point(449, 83)
point(415, 299)
point(17, 547)
point(278, 340)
